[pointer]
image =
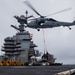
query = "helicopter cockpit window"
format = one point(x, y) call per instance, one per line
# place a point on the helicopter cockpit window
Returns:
point(52, 19)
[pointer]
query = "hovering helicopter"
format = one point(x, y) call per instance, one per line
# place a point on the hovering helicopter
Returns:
point(42, 21)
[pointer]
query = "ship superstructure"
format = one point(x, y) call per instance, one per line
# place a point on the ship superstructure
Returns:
point(19, 47)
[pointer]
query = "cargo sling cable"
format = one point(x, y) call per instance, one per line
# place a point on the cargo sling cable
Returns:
point(45, 47)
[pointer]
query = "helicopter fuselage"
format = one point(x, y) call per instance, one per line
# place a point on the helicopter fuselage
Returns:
point(48, 24)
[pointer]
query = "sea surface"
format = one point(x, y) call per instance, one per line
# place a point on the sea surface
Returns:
point(34, 70)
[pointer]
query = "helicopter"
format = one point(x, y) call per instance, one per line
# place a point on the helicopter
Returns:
point(42, 21)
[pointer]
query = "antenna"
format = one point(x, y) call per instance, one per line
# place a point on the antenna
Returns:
point(26, 13)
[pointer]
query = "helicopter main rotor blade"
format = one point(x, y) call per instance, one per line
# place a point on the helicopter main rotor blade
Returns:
point(29, 5)
point(59, 12)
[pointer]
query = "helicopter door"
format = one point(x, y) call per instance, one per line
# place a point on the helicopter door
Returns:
point(33, 24)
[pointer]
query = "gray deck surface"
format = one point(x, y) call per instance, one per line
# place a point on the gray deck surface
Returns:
point(34, 70)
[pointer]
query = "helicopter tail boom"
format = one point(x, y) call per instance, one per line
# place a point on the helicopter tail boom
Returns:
point(74, 22)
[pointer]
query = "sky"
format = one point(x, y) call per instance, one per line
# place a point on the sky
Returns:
point(60, 41)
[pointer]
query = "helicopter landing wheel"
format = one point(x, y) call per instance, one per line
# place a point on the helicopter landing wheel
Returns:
point(38, 29)
point(69, 28)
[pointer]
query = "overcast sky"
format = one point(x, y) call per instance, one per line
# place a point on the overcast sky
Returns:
point(60, 41)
